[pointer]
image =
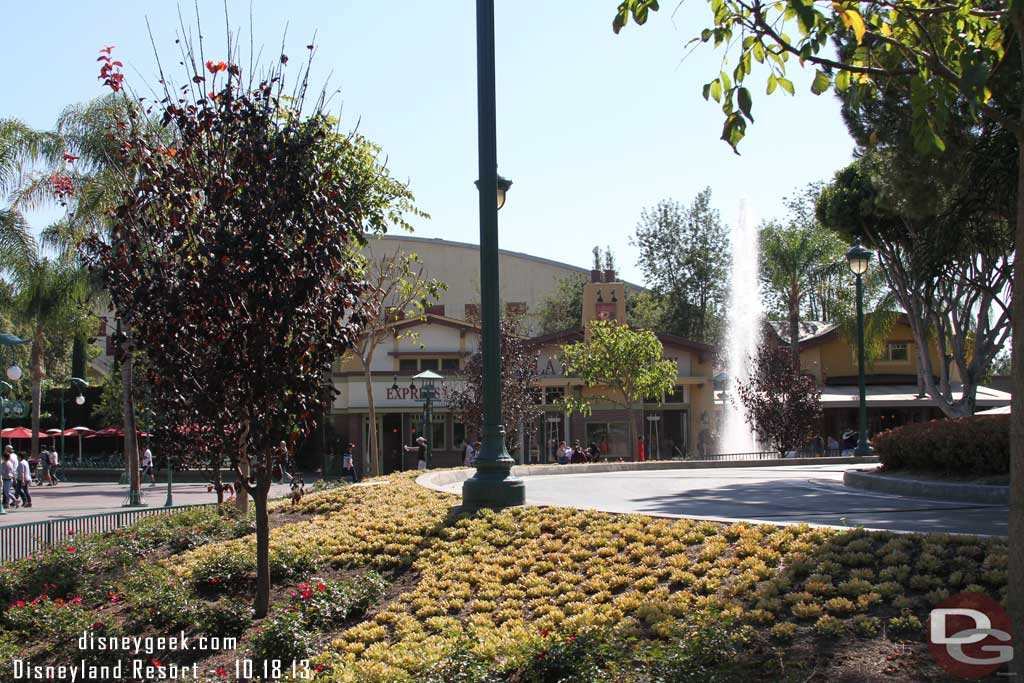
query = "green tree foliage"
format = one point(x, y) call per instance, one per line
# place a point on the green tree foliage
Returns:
point(801, 263)
point(624, 367)
point(684, 255)
point(562, 309)
point(949, 267)
point(49, 302)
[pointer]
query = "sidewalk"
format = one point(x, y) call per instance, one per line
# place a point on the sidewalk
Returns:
point(73, 499)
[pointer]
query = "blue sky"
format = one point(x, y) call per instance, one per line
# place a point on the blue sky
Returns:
point(592, 127)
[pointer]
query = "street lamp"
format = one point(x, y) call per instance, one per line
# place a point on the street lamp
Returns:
point(428, 392)
point(503, 186)
point(858, 259)
point(492, 485)
point(78, 385)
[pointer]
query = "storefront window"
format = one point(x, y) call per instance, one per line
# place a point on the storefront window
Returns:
point(611, 438)
point(458, 436)
point(407, 365)
point(430, 364)
point(438, 423)
point(449, 363)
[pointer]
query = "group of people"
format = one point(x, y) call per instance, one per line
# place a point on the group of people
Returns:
point(575, 454)
point(17, 476)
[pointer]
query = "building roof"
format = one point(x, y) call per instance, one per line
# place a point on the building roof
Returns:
point(518, 254)
point(810, 331)
point(899, 396)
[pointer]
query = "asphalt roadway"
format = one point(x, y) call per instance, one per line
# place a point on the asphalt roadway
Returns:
point(789, 494)
point(74, 499)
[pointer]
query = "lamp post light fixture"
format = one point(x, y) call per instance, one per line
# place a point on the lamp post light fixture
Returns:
point(858, 259)
point(78, 385)
point(428, 392)
point(492, 486)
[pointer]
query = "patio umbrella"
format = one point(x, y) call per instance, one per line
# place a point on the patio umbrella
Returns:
point(79, 432)
point(16, 433)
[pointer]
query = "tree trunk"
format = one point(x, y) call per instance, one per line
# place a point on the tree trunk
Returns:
point(1015, 578)
point(261, 604)
point(630, 431)
point(794, 327)
point(38, 373)
point(131, 434)
point(241, 497)
point(371, 413)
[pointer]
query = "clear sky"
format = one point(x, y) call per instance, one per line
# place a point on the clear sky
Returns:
point(592, 127)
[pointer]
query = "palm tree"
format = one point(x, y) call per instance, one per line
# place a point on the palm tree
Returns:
point(793, 259)
point(49, 300)
point(20, 148)
point(98, 178)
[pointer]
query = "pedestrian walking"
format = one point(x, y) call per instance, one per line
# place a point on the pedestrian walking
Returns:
point(470, 454)
point(147, 466)
point(54, 464)
point(44, 466)
point(7, 475)
point(421, 452)
point(22, 482)
point(348, 465)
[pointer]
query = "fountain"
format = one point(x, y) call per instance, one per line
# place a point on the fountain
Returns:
point(743, 332)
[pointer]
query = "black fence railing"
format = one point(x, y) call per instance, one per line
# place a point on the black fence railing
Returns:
point(18, 541)
point(772, 455)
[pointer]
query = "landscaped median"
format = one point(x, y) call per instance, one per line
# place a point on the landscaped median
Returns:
point(393, 582)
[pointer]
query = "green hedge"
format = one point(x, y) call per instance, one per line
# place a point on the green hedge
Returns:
point(971, 446)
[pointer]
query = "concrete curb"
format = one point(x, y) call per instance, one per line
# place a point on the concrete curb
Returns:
point(438, 480)
point(933, 490)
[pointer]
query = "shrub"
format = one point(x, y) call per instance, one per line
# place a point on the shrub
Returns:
point(829, 627)
point(52, 620)
point(282, 636)
point(904, 624)
point(223, 618)
point(784, 631)
point(325, 602)
point(153, 595)
point(866, 626)
point(966, 446)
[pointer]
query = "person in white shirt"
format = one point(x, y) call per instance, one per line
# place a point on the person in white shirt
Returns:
point(470, 454)
point(22, 482)
point(147, 466)
point(7, 475)
point(54, 464)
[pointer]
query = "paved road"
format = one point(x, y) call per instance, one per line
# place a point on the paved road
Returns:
point(801, 493)
point(70, 500)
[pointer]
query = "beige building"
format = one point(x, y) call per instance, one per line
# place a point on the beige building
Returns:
point(448, 335)
point(894, 394)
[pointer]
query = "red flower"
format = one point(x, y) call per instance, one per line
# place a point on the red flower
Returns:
point(294, 594)
point(545, 633)
point(214, 68)
point(71, 548)
point(307, 594)
point(20, 603)
point(114, 597)
point(319, 668)
point(72, 158)
point(171, 152)
point(222, 672)
point(320, 587)
point(541, 655)
point(215, 580)
point(156, 662)
point(71, 532)
point(570, 639)
point(98, 624)
point(107, 49)
point(303, 586)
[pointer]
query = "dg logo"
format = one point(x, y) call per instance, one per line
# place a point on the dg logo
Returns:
point(969, 635)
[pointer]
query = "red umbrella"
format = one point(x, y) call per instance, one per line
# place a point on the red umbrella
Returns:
point(16, 433)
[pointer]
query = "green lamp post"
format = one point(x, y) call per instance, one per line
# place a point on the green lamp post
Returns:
point(78, 385)
point(858, 259)
point(428, 392)
point(493, 485)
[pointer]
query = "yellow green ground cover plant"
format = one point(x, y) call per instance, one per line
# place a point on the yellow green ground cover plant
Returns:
point(391, 582)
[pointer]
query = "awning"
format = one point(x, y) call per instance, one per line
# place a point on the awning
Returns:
point(904, 396)
point(1001, 410)
point(16, 433)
